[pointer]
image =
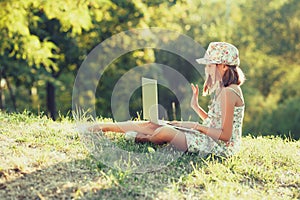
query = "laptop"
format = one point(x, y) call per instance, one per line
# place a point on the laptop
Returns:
point(150, 101)
point(150, 104)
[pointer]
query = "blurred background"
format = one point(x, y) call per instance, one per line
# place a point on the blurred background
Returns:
point(43, 43)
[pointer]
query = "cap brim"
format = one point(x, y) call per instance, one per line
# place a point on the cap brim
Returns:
point(202, 61)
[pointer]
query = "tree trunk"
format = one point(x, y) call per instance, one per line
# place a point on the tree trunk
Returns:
point(1, 100)
point(12, 96)
point(1, 103)
point(51, 106)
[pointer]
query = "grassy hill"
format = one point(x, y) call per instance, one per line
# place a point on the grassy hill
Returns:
point(42, 159)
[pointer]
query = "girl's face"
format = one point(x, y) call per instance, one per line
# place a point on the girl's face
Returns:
point(210, 72)
point(213, 77)
point(214, 70)
point(210, 69)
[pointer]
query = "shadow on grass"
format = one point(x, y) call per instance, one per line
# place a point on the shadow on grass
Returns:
point(89, 179)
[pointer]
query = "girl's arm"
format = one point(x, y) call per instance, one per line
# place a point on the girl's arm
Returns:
point(228, 100)
point(194, 103)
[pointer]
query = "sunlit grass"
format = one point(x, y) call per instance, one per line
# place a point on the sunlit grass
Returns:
point(45, 159)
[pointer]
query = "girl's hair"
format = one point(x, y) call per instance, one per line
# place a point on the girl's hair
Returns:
point(233, 75)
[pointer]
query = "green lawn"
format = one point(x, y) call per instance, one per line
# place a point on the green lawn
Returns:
point(42, 159)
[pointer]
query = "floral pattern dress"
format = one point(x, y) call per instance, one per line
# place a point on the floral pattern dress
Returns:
point(203, 144)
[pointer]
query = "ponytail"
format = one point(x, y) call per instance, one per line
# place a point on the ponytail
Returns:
point(233, 75)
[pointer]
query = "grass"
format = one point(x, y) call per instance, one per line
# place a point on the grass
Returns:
point(42, 159)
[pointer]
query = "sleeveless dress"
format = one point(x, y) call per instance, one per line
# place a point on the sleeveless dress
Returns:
point(203, 144)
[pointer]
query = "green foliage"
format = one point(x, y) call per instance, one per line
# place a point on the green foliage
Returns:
point(45, 42)
point(289, 127)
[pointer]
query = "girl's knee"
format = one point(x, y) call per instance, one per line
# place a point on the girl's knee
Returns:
point(162, 130)
point(162, 135)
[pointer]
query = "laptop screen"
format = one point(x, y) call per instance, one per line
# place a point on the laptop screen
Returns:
point(149, 98)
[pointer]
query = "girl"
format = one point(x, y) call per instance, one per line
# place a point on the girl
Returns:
point(221, 130)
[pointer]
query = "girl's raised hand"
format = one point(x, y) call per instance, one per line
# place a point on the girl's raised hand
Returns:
point(194, 100)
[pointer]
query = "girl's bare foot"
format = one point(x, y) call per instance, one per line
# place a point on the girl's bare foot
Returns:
point(142, 138)
point(95, 128)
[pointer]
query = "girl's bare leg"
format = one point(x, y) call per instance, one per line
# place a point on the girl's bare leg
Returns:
point(144, 127)
point(147, 132)
point(163, 135)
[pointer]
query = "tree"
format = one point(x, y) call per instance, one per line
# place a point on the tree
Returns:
point(42, 35)
point(267, 36)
